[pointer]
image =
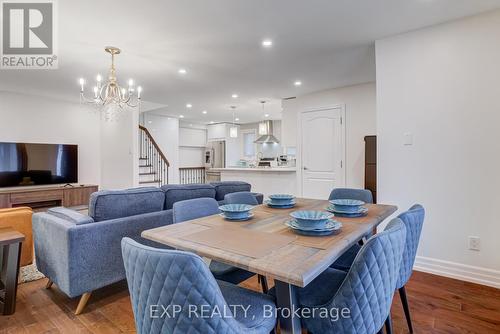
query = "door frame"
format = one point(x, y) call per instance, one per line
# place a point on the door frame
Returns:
point(300, 163)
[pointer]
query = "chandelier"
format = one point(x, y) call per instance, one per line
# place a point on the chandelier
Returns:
point(110, 96)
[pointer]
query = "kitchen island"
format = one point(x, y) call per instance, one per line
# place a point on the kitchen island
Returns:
point(266, 180)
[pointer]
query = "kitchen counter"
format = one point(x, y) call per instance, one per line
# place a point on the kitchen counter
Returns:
point(255, 169)
point(266, 180)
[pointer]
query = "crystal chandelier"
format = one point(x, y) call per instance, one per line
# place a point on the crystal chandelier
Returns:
point(110, 96)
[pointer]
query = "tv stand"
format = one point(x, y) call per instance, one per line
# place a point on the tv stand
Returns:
point(41, 198)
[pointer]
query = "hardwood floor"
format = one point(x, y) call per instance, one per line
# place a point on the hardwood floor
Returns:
point(438, 305)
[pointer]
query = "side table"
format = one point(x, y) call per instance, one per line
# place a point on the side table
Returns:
point(10, 255)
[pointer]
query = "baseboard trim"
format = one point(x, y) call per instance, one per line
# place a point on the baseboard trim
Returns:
point(458, 271)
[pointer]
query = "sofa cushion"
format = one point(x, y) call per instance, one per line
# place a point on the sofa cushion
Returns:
point(181, 192)
point(70, 215)
point(227, 187)
point(112, 204)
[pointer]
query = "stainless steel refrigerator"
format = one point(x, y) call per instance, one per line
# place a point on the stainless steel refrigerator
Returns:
point(215, 157)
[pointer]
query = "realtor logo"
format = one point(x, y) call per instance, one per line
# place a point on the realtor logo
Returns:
point(28, 35)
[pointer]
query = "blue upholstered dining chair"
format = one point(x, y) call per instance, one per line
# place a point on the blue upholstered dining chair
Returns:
point(366, 290)
point(173, 292)
point(242, 197)
point(413, 220)
point(202, 207)
point(364, 195)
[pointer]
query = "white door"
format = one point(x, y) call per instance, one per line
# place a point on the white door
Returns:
point(322, 152)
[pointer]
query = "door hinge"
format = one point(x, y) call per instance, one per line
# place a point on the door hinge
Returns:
point(341, 164)
point(341, 120)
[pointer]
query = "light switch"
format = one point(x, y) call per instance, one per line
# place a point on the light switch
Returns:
point(408, 139)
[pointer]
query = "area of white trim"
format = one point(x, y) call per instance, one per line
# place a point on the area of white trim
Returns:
point(458, 271)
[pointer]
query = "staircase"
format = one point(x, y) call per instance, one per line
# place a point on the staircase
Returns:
point(153, 165)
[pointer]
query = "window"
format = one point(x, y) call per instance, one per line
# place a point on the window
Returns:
point(248, 144)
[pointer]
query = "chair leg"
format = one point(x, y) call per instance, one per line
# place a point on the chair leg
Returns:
point(263, 283)
point(82, 303)
point(49, 284)
point(406, 308)
point(388, 325)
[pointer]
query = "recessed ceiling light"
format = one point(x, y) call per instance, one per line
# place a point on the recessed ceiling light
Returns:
point(298, 83)
point(150, 122)
point(267, 43)
point(189, 105)
point(212, 122)
point(190, 124)
point(236, 119)
point(234, 96)
point(266, 115)
point(182, 71)
point(181, 116)
point(204, 112)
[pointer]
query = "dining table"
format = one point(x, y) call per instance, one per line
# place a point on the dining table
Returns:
point(266, 246)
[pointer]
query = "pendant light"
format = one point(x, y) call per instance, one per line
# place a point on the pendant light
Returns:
point(263, 126)
point(233, 130)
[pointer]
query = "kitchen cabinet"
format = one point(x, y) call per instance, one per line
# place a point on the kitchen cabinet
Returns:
point(192, 137)
point(217, 131)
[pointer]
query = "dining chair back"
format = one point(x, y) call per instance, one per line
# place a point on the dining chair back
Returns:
point(242, 197)
point(173, 292)
point(368, 288)
point(194, 208)
point(364, 195)
point(414, 221)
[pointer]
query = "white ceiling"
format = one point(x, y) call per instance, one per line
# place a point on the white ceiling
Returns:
point(324, 43)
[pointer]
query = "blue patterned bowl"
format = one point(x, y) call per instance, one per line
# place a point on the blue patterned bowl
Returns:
point(347, 205)
point(236, 211)
point(278, 199)
point(311, 219)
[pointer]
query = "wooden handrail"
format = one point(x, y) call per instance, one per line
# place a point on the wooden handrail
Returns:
point(154, 144)
point(191, 168)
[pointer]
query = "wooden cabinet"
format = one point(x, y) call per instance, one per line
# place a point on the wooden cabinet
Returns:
point(42, 198)
point(371, 165)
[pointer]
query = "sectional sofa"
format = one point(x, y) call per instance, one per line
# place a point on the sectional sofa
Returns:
point(81, 253)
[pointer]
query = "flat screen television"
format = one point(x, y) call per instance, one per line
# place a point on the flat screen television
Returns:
point(27, 164)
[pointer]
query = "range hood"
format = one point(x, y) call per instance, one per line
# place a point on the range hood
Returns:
point(268, 137)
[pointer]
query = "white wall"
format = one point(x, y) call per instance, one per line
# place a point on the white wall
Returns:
point(442, 85)
point(165, 131)
point(192, 143)
point(28, 118)
point(119, 151)
point(360, 106)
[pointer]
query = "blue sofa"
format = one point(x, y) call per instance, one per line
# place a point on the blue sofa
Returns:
point(81, 253)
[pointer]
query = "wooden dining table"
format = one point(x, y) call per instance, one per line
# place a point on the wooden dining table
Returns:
point(266, 246)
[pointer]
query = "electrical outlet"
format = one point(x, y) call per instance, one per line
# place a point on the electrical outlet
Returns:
point(474, 243)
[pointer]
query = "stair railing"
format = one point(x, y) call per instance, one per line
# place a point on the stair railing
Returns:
point(190, 175)
point(151, 154)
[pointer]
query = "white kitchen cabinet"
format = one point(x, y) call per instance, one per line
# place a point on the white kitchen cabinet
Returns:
point(192, 137)
point(217, 131)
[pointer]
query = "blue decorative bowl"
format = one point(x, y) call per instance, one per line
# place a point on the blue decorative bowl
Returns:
point(332, 227)
point(347, 205)
point(278, 199)
point(236, 211)
point(312, 219)
point(283, 205)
